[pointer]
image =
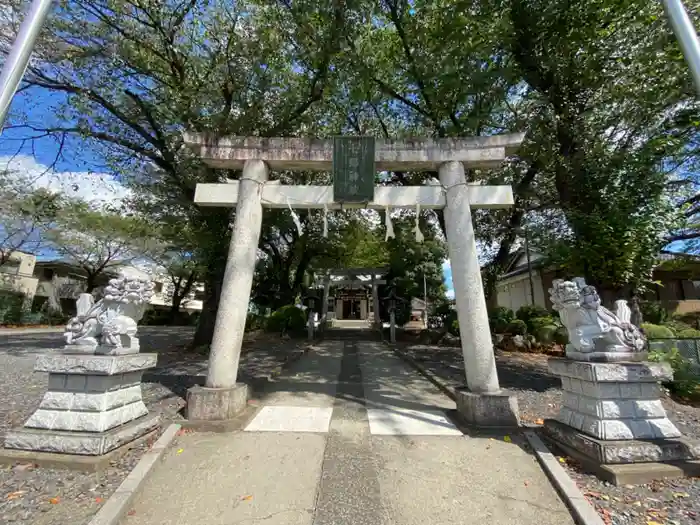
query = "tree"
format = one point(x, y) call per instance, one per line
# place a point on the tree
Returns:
point(135, 76)
point(24, 212)
point(622, 117)
point(410, 261)
point(97, 242)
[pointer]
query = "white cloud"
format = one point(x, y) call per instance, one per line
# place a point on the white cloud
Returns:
point(447, 265)
point(450, 293)
point(96, 188)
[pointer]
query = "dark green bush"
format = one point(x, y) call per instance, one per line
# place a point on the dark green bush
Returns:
point(545, 333)
point(685, 381)
point(499, 319)
point(653, 312)
point(561, 336)
point(535, 323)
point(516, 327)
point(287, 319)
point(531, 311)
point(653, 331)
point(12, 308)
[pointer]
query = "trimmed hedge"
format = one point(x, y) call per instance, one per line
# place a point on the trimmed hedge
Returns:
point(287, 319)
point(654, 331)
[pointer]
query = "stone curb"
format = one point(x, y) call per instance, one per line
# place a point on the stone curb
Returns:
point(582, 511)
point(118, 503)
point(434, 379)
point(29, 331)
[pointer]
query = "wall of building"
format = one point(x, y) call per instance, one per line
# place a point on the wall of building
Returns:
point(515, 292)
point(16, 275)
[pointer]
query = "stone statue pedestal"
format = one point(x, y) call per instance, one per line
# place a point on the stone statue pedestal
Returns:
point(93, 405)
point(613, 421)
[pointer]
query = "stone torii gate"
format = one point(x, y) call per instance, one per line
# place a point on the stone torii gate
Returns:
point(482, 402)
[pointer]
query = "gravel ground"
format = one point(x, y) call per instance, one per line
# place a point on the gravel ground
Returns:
point(671, 502)
point(59, 497)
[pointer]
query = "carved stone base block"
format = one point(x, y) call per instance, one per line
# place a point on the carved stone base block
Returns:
point(216, 404)
point(614, 401)
point(79, 443)
point(87, 397)
point(487, 410)
point(613, 422)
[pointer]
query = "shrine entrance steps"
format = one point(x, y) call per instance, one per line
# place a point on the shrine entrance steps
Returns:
point(349, 435)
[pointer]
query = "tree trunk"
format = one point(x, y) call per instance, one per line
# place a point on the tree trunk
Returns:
point(214, 262)
point(180, 292)
point(90, 282)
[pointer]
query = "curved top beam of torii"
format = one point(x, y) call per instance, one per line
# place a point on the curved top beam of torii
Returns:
point(317, 154)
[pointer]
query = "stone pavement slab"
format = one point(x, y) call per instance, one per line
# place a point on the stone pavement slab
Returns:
point(403, 472)
point(222, 479)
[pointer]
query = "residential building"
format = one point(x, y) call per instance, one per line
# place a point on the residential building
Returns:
point(58, 284)
point(677, 278)
point(17, 275)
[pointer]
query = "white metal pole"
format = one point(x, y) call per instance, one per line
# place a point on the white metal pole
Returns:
point(16, 62)
point(686, 35)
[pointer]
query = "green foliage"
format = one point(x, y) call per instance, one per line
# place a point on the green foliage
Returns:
point(685, 377)
point(288, 319)
point(517, 327)
point(410, 261)
point(499, 319)
point(254, 322)
point(653, 331)
point(454, 327)
point(546, 333)
point(561, 336)
point(688, 333)
point(13, 309)
point(532, 311)
point(653, 312)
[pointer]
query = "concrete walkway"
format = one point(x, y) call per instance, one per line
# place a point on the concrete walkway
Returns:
point(350, 435)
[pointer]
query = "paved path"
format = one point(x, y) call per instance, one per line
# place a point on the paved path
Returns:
point(349, 435)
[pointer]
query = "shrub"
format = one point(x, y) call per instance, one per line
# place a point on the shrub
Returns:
point(499, 319)
point(653, 331)
point(531, 311)
point(153, 317)
point(454, 327)
point(561, 336)
point(688, 333)
point(287, 319)
point(517, 327)
point(535, 323)
point(254, 322)
point(653, 312)
point(545, 333)
point(685, 381)
point(12, 308)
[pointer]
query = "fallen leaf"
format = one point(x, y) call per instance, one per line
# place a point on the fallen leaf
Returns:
point(539, 421)
point(55, 500)
point(180, 450)
point(247, 498)
point(15, 495)
point(507, 439)
point(526, 483)
point(562, 460)
point(637, 503)
point(98, 500)
point(605, 497)
point(681, 495)
point(131, 513)
point(653, 523)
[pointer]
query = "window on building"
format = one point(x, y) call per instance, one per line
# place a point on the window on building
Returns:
point(48, 274)
point(199, 295)
point(158, 288)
